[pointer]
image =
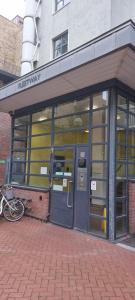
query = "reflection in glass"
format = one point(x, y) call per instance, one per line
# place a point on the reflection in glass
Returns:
point(131, 154)
point(20, 156)
point(131, 137)
point(131, 121)
point(120, 207)
point(42, 115)
point(40, 141)
point(21, 131)
point(20, 145)
point(121, 170)
point(121, 152)
point(99, 117)
point(62, 168)
point(100, 100)
point(19, 179)
point(99, 152)
point(40, 154)
point(22, 120)
point(72, 107)
point(121, 135)
point(131, 170)
point(39, 181)
point(40, 168)
point(121, 118)
point(121, 188)
point(99, 170)
point(18, 168)
point(66, 153)
point(120, 226)
point(99, 135)
point(41, 128)
point(132, 107)
point(98, 207)
point(101, 189)
point(122, 102)
point(76, 121)
point(98, 226)
point(62, 185)
point(74, 137)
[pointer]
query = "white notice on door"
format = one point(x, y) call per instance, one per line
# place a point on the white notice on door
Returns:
point(43, 170)
point(64, 182)
point(93, 185)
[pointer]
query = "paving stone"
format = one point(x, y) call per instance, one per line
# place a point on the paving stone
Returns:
point(41, 261)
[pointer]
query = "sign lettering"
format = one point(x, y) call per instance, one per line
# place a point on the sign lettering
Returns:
point(28, 82)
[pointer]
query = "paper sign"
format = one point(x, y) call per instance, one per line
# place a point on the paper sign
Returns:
point(67, 174)
point(57, 187)
point(82, 154)
point(64, 182)
point(93, 185)
point(43, 170)
point(59, 173)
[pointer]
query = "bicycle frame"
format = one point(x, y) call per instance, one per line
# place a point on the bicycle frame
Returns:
point(2, 203)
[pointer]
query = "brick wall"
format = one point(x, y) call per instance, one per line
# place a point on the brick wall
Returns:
point(5, 139)
point(10, 46)
point(39, 204)
point(131, 207)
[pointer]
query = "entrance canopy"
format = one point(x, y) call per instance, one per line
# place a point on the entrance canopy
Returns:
point(112, 55)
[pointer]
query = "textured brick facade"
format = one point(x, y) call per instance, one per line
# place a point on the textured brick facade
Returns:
point(5, 140)
point(131, 207)
point(10, 46)
point(39, 205)
point(10, 62)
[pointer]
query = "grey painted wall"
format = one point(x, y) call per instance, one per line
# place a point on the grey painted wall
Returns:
point(84, 21)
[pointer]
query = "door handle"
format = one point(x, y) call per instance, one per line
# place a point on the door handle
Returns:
point(68, 194)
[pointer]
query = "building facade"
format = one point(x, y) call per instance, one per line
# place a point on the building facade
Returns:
point(10, 67)
point(73, 115)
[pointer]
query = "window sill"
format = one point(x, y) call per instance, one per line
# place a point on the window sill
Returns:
point(30, 188)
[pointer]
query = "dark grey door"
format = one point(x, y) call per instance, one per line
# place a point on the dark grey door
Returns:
point(69, 194)
point(81, 195)
point(62, 193)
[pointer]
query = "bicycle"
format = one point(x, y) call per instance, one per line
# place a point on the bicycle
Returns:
point(10, 207)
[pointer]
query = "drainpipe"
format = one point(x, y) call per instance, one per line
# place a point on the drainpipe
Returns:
point(31, 40)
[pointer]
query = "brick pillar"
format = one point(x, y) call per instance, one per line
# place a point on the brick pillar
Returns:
point(131, 187)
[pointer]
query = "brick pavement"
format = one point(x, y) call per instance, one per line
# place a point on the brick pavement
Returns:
point(41, 261)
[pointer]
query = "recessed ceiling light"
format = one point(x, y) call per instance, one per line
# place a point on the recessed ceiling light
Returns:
point(95, 106)
point(118, 117)
point(42, 118)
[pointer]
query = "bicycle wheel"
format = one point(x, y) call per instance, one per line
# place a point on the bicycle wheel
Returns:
point(14, 210)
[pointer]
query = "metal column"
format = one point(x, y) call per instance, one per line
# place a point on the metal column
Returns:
point(112, 158)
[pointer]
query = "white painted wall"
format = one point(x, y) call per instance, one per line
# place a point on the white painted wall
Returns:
point(121, 11)
point(84, 20)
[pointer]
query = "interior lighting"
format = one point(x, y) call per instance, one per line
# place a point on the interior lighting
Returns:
point(42, 118)
point(105, 95)
point(95, 107)
point(118, 117)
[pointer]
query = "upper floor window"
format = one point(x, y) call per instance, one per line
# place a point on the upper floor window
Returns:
point(60, 3)
point(60, 45)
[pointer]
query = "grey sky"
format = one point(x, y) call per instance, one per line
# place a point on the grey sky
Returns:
point(11, 8)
